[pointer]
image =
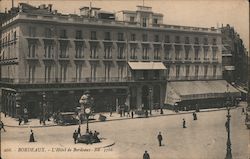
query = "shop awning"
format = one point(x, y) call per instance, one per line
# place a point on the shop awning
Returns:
point(147, 66)
point(191, 90)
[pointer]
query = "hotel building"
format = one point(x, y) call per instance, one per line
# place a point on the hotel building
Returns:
point(49, 59)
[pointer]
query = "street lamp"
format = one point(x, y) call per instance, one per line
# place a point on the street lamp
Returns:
point(87, 113)
point(227, 124)
point(43, 106)
point(86, 102)
point(150, 101)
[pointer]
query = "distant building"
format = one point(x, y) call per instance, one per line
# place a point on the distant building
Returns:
point(49, 59)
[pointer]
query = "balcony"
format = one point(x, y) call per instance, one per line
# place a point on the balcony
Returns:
point(32, 58)
point(145, 58)
point(107, 58)
point(192, 78)
point(178, 59)
point(121, 59)
point(79, 58)
point(206, 60)
point(94, 58)
point(133, 58)
point(48, 58)
point(197, 60)
point(157, 58)
point(215, 60)
point(188, 59)
point(9, 61)
point(63, 57)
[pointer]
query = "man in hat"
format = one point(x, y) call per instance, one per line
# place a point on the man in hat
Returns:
point(159, 137)
point(146, 155)
point(184, 123)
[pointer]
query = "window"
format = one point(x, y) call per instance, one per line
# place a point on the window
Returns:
point(32, 31)
point(132, 19)
point(48, 48)
point(156, 39)
point(107, 36)
point(133, 37)
point(120, 52)
point(120, 72)
point(132, 51)
point(155, 21)
point(48, 33)
point(107, 51)
point(107, 71)
point(63, 73)
point(187, 53)
point(144, 22)
point(177, 71)
point(144, 37)
point(93, 51)
point(93, 71)
point(167, 39)
point(196, 71)
point(79, 50)
point(156, 52)
point(78, 34)
point(214, 70)
point(120, 37)
point(187, 70)
point(78, 72)
point(14, 35)
point(47, 74)
point(145, 52)
point(167, 53)
point(31, 77)
point(205, 53)
point(177, 54)
point(196, 53)
point(214, 41)
point(196, 40)
point(186, 40)
point(63, 33)
point(32, 50)
point(93, 35)
point(214, 52)
point(205, 71)
point(177, 39)
point(205, 41)
point(63, 50)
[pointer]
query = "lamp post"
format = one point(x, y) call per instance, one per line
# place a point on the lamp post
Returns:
point(44, 106)
point(86, 102)
point(150, 101)
point(229, 150)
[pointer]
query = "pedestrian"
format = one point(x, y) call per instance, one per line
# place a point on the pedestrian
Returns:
point(110, 111)
point(5, 114)
point(75, 134)
point(132, 114)
point(159, 137)
point(79, 130)
point(161, 110)
point(194, 116)
point(146, 114)
point(2, 126)
point(32, 138)
point(243, 111)
point(20, 120)
point(146, 155)
point(184, 123)
point(40, 120)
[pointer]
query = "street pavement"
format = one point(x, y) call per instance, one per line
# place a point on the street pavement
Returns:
point(202, 139)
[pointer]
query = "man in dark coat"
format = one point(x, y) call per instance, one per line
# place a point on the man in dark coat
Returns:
point(79, 130)
point(2, 126)
point(20, 120)
point(132, 114)
point(184, 123)
point(75, 135)
point(159, 137)
point(32, 138)
point(194, 116)
point(146, 155)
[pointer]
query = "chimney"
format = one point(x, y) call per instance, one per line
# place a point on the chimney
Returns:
point(50, 7)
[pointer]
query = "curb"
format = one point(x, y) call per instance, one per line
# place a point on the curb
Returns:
point(95, 121)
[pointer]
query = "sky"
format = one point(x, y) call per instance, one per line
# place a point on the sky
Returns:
point(200, 13)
